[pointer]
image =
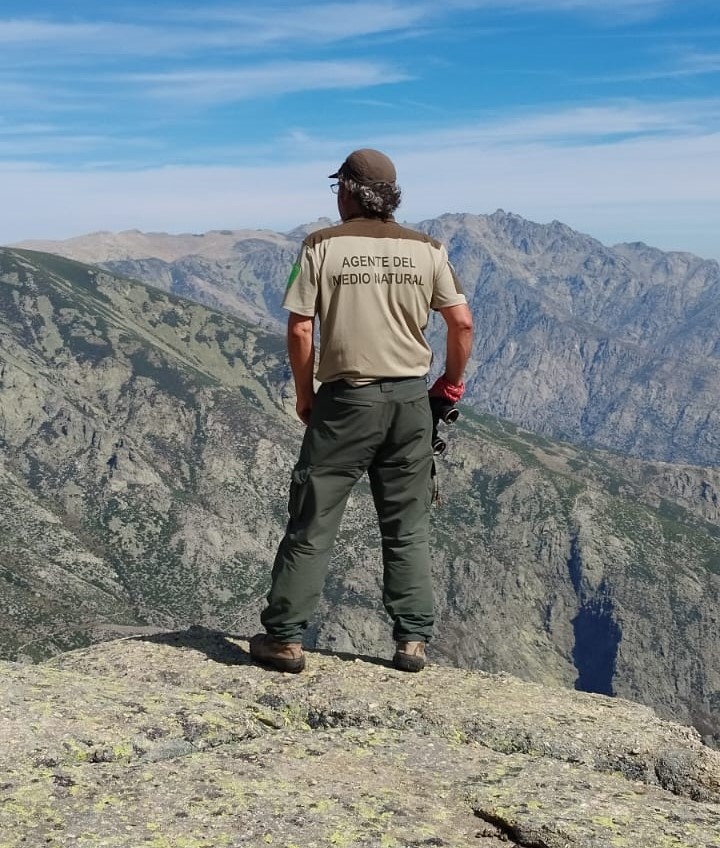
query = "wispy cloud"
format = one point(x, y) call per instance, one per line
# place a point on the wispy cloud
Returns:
point(256, 26)
point(26, 129)
point(702, 63)
point(318, 23)
point(225, 113)
point(621, 10)
point(27, 31)
point(603, 125)
point(593, 125)
point(76, 39)
point(212, 86)
point(189, 30)
point(691, 64)
point(633, 189)
point(34, 144)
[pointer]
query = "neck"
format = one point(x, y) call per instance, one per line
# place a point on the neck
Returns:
point(348, 206)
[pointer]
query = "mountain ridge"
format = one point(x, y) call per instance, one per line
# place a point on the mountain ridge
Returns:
point(611, 346)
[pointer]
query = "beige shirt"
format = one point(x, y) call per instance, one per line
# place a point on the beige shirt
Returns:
point(372, 284)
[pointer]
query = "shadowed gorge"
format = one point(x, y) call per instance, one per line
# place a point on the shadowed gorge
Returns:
point(597, 634)
point(597, 638)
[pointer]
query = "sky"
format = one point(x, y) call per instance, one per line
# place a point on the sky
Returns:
point(188, 117)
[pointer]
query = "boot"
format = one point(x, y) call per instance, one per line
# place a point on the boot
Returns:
point(409, 656)
point(282, 656)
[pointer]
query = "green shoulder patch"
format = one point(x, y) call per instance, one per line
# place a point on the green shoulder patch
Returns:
point(295, 270)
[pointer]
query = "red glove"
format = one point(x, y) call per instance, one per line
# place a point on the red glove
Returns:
point(443, 388)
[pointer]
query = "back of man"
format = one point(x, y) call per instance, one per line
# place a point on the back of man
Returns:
point(372, 284)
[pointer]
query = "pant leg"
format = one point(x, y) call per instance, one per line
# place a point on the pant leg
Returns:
point(400, 478)
point(316, 505)
point(346, 427)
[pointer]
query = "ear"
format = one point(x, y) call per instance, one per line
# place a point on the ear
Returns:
point(344, 199)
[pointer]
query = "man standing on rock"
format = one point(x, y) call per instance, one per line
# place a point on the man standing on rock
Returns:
point(372, 284)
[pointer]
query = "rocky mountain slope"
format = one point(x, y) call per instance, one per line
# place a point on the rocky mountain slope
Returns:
point(146, 446)
point(612, 346)
point(176, 740)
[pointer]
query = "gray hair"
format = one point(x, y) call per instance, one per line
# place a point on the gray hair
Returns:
point(378, 200)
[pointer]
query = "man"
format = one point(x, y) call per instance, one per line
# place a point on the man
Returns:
point(372, 284)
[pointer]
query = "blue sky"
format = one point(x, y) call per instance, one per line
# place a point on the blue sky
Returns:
point(170, 116)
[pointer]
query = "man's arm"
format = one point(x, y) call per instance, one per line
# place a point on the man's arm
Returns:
point(459, 341)
point(301, 351)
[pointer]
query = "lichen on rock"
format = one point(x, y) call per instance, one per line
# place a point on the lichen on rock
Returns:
point(176, 740)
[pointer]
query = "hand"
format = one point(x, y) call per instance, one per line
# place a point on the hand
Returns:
point(443, 388)
point(303, 408)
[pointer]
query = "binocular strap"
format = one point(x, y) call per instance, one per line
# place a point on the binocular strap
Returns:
point(435, 483)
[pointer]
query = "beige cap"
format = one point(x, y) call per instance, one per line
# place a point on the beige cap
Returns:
point(367, 166)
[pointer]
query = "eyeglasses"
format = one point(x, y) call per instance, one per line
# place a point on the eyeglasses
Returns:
point(335, 187)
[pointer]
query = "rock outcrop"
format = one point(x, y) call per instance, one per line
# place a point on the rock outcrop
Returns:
point(175, 741)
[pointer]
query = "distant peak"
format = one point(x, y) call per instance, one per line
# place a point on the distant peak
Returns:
point(305, 229)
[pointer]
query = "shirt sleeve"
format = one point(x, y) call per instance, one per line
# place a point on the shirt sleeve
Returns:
point(447, 290)
point(301, 292)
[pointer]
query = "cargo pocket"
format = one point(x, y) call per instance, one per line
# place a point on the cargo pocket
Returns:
point(299, 500)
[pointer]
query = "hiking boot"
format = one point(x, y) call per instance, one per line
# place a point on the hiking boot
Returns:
point(409, 656)
point(282, 656)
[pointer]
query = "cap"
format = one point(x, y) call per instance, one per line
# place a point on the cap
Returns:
point(367, 166)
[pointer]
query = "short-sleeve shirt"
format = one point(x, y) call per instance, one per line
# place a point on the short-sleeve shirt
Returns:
point(372, 284)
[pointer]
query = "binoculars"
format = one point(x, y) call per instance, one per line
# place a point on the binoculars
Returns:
point(442, 410)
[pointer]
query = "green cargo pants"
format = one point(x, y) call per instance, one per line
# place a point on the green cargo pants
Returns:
point(385, 429)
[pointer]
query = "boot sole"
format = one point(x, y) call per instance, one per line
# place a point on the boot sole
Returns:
point(290, 666)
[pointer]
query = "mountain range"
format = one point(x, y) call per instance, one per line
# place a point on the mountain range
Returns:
point(146, 442)
point(617, 347)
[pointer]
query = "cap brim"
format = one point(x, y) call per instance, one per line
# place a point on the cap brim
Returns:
point(334, 176)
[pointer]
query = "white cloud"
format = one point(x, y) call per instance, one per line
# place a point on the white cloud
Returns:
point(315, 23)
point(44, 145)
point(264, 80)
point(621, 11)
point(20, 31)
point(690, 64)
point(592, 125)
point(660, 190)
point(619, 167)
point(257, 26)
point(7, 129)
point(21, 38)
point(192, 31)
point(650, 6)
point(60, 203)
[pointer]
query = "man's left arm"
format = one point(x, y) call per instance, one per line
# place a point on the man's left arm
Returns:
point(449, 299)
point(459, 340)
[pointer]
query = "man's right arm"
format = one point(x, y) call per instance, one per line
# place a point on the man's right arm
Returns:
point(301, 302)
point(301, 352)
